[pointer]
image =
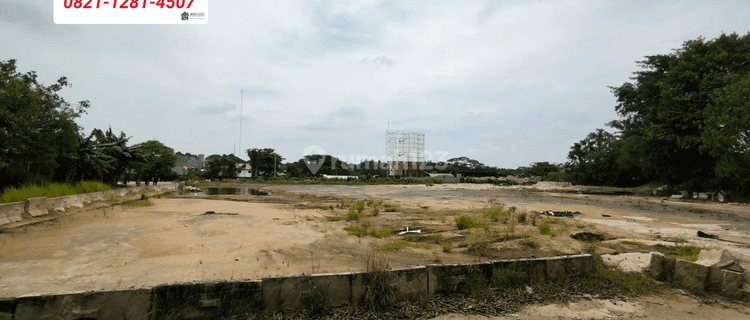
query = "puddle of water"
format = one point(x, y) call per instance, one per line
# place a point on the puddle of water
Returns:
point(233, 191)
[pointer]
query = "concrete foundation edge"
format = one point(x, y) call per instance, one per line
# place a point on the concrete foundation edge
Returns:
point(37, 207)
point(208, 299)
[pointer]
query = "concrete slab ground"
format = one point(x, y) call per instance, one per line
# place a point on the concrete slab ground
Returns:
point(114, 248)
point(123, 247)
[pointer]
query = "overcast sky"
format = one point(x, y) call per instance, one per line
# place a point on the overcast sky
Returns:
point(505, 82)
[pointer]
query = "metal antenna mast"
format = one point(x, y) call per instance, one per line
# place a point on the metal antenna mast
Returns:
point(241, 98)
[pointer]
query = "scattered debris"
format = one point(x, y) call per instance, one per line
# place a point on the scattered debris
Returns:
point(276, 218)
point(191, 189)
point(702, 234)
point(588, 236)
point(410, 231)
point(529, 290)
point(606, 216)
point(707, 235)
point(220, 213)
point(566, 214)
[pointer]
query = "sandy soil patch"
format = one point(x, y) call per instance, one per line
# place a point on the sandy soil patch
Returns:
point(289, 232)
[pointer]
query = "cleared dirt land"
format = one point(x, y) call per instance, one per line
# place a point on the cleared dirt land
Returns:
point(115, 246)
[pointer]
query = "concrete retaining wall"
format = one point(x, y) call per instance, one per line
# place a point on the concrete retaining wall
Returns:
point(11, 212)
point(126, 304)
point(36, 207)
point(203, 300)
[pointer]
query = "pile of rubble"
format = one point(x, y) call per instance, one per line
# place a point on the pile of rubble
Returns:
point(715, 270)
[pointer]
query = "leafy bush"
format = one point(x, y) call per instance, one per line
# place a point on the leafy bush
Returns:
point(467, 222)
point(353, 215)
point(529, 240)
point(381, 233)
point(50, 190)
point(436, 237)
point(359, 206)
point(545, 229)
point(521, 217)
point(357, 230)
point(494, 214)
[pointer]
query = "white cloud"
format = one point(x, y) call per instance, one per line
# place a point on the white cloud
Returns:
point(507, 83)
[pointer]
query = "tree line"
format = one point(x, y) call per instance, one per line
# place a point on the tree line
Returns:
point(40, 140)
point(262, 164)
point(684, 120)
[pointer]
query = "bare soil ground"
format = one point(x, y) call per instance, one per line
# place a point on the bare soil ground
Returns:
point(667, 307)
point(114, 246)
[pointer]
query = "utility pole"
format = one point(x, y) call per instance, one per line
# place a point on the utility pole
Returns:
point(241, 98)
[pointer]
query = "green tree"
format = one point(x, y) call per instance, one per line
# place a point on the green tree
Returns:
point(592, 159)
point(543, 168)
point(159, 160)
point(263, 160)
point(223, 167)
point(89, 162)
point(726, 134)
point(123, 158)
point(665, 111)
point(37, 127)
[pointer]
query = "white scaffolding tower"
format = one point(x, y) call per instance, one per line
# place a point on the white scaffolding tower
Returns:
point(405, 153)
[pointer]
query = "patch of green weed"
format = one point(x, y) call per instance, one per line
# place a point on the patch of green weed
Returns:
point(436, 237)
point(467, 222)
point(398, 244)
point(688, 253)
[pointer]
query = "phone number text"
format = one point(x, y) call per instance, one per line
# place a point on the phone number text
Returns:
point(127, 4)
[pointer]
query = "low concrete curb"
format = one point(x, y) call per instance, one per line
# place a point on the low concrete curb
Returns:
point(204, 300)
point(37, 207)
point(691, 276)
point(11, 212)
point(449, 278)
point(716, 271)
point(647, 263)
point(209, 299)
point(56, 204)
point(128, 304)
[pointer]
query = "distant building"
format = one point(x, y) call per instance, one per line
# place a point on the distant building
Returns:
point(245, 170)
point(181, 168)
point(183, 164)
